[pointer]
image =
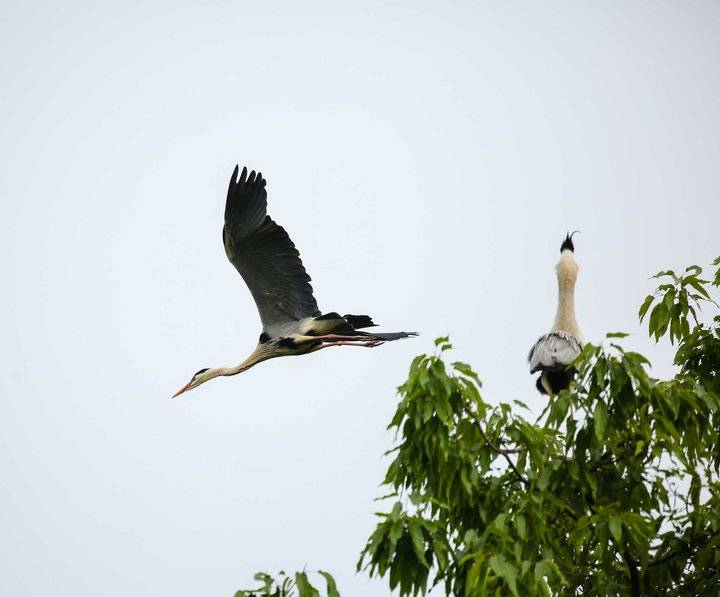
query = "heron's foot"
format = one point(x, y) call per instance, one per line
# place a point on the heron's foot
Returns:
point(338, 337)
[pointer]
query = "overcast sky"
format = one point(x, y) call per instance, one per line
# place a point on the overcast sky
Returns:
point(426, 158)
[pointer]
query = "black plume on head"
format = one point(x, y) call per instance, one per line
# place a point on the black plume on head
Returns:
point(568, 243)
point(201, 371)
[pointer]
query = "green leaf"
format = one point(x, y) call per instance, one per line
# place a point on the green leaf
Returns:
point(396, 512)
point(615, 524)
point(443, 343)
point(600, 417)
point(472, 576)
point(396, 531)
point(669, 299)
point(305, 589)
point(466, 370)
point(331, 586)
point(542, 569)
point(521, 526)
point(500, 521)
point(417, 541)
point(665, 273)
point(505, 570)
point(645, 306)
point(616, 335)
point(655, 316)
point(699, 286)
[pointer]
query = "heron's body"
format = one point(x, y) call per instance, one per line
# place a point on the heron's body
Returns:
point(268, 261)
point(554, 351)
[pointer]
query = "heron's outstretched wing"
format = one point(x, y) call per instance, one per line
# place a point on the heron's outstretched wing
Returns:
point(553, 350)
point(265, 256)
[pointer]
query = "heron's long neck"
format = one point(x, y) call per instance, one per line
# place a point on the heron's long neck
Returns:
point(253, 359)
point(565, 316)
point(229, 370)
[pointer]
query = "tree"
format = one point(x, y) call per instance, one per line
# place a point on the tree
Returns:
point(613, 490)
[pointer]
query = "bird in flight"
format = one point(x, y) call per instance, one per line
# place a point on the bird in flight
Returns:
point(553, 352)
point(268, 261)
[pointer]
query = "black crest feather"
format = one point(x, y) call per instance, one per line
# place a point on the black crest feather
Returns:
point(568, 243)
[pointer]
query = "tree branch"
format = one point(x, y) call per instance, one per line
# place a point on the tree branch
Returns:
point(686, 550)
point(634, 575)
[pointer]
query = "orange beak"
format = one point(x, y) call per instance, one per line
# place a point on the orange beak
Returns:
point(181, 390)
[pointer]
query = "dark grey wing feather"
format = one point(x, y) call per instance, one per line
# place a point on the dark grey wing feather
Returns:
point(264, 255)
point(554, 349)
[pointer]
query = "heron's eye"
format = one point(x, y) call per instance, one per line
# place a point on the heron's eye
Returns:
point(199, 372)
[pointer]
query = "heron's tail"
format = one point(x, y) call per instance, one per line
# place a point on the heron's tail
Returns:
point(554, 379)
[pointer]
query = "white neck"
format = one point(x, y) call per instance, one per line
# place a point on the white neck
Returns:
point(256, 357)
point(234, 370)
point(565, 316)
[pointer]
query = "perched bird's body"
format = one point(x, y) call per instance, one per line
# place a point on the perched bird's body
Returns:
point(553, 352)
point(268, 261)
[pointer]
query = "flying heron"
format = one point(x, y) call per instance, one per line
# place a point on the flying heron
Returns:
point(553, 352)
point(268, 261)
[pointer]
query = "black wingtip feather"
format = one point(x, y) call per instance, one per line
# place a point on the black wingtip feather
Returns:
point(252, 178)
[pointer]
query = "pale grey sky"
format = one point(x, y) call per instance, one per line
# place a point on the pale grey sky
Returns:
point(427, 159)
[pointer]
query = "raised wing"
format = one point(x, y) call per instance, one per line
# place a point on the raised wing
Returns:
point(553, 350)
point(264, 255)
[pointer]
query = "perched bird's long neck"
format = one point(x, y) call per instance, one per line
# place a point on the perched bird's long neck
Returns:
point(565, 315)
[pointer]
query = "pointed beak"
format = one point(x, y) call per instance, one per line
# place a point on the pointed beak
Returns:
point(181, 390)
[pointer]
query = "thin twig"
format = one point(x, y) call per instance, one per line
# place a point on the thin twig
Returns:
point(502, 451)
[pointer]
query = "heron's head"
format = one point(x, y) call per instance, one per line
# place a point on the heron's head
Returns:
point(567, 268)
point(199, 378)
point(567, 244)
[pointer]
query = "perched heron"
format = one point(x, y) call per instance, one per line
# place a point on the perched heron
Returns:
point(553, 352)
point(268, 261)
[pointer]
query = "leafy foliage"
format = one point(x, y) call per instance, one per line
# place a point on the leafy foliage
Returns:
point(613, 490)
point(286, 586)
point(680, 297)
